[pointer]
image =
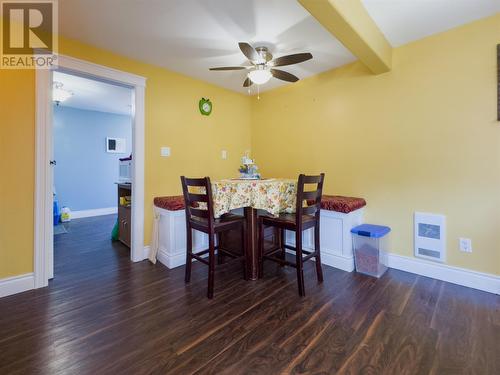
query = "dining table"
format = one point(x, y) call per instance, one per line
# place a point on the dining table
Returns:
point(272, 196)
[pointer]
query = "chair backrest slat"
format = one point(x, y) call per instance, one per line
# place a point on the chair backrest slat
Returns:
point(198, 212)
point(203, 194)
point(196, 181)
point(198, 197)
point(313, 179)
point(311, 197)
point(309, 210)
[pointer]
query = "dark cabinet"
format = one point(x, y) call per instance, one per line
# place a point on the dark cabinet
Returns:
point(124, 213)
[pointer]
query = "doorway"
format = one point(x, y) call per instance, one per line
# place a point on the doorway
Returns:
point(92, 152)
point(44, 230)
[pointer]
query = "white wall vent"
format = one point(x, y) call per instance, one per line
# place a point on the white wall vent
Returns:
point(430, 236)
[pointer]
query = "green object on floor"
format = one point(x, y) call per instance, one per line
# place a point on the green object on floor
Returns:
point(114, 232)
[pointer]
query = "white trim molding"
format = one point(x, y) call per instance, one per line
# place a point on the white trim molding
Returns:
point(171, 261)
point(94, 212)
point(69, 63)
point(16, 284)
point(138, 114)
point(338, 261)
point(178, 259)
point(146, 251)
point(43, 230)
point(329, 259)
point(461, 276)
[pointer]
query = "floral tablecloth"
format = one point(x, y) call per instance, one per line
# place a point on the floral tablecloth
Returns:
point(273, 195)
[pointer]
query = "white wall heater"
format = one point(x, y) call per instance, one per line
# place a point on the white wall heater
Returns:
point(430, 236)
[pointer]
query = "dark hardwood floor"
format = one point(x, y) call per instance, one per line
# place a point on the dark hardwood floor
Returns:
point(103, 314)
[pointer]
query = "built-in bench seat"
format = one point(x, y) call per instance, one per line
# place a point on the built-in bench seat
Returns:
point(338, 215)
point(336, 203)
point(171, 203)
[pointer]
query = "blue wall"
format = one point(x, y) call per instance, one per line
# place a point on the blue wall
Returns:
point(85, 174)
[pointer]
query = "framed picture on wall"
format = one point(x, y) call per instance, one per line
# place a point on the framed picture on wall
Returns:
point(116, 145)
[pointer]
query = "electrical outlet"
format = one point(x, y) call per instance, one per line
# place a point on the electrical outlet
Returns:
point(165, 151)
point(224, 154)
point(465, 245)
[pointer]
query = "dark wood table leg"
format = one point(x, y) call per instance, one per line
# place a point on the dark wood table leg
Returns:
point(252, 243)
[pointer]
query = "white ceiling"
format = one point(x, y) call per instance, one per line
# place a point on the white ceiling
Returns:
point(95, 95)
point(190, 36)
point(403, 21)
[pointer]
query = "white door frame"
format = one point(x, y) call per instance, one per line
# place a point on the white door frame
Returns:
point(43, 234)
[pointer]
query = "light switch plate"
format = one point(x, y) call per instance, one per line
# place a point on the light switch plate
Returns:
point(224, 154)
point(165, 151)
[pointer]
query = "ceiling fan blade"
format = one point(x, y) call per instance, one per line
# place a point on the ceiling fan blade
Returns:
point(250, 53)
point(229, 68)
point(284, 76)
point(248, 82)
point(291, 59)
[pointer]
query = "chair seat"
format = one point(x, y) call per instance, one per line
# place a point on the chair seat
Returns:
point(288, 221)
point(225, 222)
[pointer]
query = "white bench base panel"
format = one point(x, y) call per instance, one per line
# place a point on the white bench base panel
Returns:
point(336, 239)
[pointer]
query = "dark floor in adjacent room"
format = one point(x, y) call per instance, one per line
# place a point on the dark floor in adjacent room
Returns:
point(103, 314)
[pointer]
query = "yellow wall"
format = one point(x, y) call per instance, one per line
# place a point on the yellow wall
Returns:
point(172, 119)
point(423, 137)
point(17, 150)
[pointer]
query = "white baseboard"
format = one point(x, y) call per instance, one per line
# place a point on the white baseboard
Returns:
point(94, 212)
point(16, 284)
point(176, 260)
point(337, 261)
point(171, 261)
point(461, 276)
point(145, 254)
point(333, 260)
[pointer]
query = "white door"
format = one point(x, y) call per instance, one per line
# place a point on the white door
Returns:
point(50, 177)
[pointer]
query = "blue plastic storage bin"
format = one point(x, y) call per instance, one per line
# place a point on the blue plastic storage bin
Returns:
point(370, 248)
point(57, 214)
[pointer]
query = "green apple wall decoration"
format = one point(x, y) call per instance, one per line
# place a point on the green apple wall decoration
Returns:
point(205, 106)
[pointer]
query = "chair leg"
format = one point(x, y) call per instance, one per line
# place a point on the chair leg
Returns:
point(261, 249)
point(220, 256)
point(282, 244)
point(189, 252)
point(319, 270)
point(299, 262)
point(211, 265)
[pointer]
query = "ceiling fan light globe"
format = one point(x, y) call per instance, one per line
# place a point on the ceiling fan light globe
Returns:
point(260, 76)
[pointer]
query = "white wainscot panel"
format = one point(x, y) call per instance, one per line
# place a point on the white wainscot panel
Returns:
point(172, 238)
point(336, 238)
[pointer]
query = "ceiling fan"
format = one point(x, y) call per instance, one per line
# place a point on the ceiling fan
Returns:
point(262, 68)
